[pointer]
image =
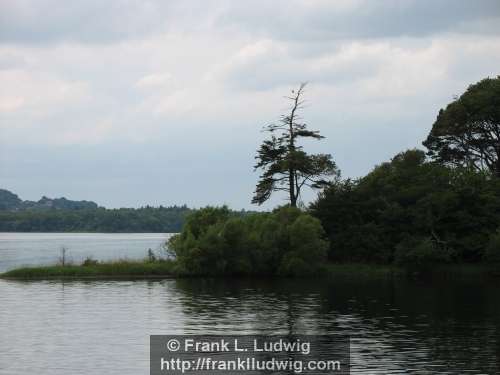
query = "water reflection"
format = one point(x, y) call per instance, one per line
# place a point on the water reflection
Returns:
point(396, 326)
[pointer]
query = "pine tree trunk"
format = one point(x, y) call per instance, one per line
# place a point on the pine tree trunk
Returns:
point(291, 181)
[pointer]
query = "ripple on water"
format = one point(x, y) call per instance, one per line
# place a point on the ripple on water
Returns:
point(78, 327)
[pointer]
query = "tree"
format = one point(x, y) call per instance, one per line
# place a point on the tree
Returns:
point(467, 132)
point(214, 241)
point(286, 167)
point(405, 203)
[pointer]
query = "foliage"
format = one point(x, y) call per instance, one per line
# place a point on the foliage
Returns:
point(419, 253)
point(467, 132)
point(367, 218)
point(493, 249)
point(89, 261)
point(146, 219)
point(286, 166)
point(11, 202)
point(214, 242)
point(151, 256)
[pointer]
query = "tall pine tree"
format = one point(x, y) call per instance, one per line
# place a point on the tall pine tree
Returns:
point(285, 165)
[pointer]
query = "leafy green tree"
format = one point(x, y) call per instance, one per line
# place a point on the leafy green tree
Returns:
point(286, 166)
point(286, 242)
point(467, 132)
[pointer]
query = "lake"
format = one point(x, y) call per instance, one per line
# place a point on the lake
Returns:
point(25, 249)
point(102, 327)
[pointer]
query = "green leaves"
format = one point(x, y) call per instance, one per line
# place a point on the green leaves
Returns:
point(467, 132)
point(455, 208)
point(286, 241)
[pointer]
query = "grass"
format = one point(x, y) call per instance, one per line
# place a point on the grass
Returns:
point(119, 269)
point(167, 268)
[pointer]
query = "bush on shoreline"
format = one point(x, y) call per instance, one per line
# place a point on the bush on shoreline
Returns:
point(285, 242)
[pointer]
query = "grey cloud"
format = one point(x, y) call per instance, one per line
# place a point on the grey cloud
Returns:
point(299, 20)
point(97, 21)
point(280, 69)
point(10, 61)
point(87, 131)
point(94, 21)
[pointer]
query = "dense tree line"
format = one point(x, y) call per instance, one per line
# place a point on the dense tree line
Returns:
point(416, 211)
point(411, 210)
point(147, 219)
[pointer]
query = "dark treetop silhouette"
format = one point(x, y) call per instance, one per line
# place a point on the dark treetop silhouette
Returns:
point(467, 132)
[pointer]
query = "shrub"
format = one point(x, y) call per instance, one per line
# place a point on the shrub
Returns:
point(89, 261)
point(419, 253)
point(307, 249)
point(286, 241)
point(492, 253)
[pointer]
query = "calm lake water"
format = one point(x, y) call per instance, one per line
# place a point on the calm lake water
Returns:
point(25, 249)
point(397, 326)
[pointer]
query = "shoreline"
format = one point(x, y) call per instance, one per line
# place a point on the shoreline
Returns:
point(114, 269)
point(137, 270)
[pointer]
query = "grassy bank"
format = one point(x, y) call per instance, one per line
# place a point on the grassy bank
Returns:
point(118, 269)
point(167, 269)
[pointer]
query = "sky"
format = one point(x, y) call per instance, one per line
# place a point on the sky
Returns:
point(135, 102)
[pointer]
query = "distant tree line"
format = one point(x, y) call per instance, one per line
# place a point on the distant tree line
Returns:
point(146, 219)
point(65, 215)
point(11, 202)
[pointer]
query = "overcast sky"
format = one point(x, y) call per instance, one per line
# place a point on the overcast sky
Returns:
point(138, 102)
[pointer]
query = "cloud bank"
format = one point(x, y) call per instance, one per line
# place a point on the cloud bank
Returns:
point(136, 102)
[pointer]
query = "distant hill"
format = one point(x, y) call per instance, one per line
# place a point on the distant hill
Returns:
point(64, 215)
point(11, 202)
